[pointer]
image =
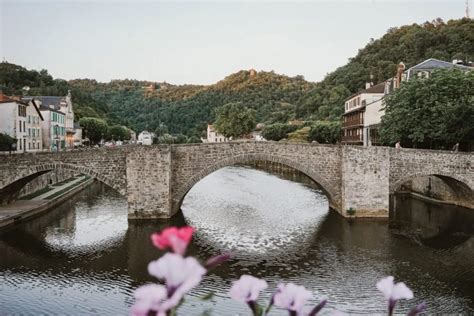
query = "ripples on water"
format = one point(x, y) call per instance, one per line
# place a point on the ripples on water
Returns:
point(83, 257)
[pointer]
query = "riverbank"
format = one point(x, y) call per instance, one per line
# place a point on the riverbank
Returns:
point(25, 209)
point(437, 201)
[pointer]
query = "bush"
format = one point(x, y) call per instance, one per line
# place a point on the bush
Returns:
point(278, 131)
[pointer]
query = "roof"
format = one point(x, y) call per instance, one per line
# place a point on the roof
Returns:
point(378, 88)
point(6, 99)
point(433, 63)
point(48, 101)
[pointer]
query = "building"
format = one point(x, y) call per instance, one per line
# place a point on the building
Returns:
point(354, 112)
point(77, 139)
point(63, 105)
point(146, 138)
point(53, 127)
point(425, 68)
point(370, 115)
point(34, 121)
point(22, 121)
point(213, 136)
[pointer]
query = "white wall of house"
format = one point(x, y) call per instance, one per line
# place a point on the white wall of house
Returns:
point(373, 113)
point(145, 138)
point(8, 118)
point(53, 130)
point(34, 129)
point(361, 100)
point(66, 108)
point(213, 136)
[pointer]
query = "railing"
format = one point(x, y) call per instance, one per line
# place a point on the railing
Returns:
point(357, 122)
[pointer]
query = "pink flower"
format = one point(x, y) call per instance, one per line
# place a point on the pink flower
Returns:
point(247, 289)
point(148, 298)
point(393, 291)
point(180, 274)
point(291, 297)
point(175, 238)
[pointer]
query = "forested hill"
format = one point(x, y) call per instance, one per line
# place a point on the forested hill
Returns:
point(276, 98)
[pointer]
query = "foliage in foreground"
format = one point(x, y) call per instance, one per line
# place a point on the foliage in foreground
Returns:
point(181, 274)
point(435, 112)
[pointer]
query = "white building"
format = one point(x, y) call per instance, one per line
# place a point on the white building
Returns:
point(22, 121)
point(146, 138)
point(77, 137)
point(54, 130)
point(213, 136)
point(63, 105)
point(361, 119)
point(34, 122)
point(354, 113)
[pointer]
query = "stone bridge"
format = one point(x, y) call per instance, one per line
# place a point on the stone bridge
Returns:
point(155, 179)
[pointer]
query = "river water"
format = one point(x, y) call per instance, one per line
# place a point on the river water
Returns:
point(85, 258)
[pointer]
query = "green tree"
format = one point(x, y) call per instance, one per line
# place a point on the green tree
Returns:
point(6, 141)
point(435, 112)
point(118, 132)
point(194, 140)
point(278, 131)
point(235, 120)
point(95, 129)
point(325, 132)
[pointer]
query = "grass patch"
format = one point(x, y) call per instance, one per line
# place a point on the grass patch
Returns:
point(64, 181)
point(36, 193)
point(61, 192)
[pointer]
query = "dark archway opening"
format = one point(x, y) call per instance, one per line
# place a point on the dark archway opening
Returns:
point(434, 210)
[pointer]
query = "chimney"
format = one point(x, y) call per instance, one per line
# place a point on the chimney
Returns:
point(398, 77)
point(368, 85)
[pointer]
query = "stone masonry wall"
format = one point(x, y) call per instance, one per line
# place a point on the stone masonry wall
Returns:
point(406, 164)
point(148, 182)
point(107, 165)
point(365, 180)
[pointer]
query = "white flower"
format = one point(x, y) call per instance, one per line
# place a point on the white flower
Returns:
point(180, 274)
point(392, 291)
point(247, 289)
point(291, 297)
point(149, 297)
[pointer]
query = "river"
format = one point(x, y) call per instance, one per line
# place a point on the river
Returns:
point(85, 258)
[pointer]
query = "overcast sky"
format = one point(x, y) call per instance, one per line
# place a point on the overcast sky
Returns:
point(199, 42)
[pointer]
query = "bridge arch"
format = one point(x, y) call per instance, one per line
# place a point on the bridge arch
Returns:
point(329, 191)
point(459, 189)
point(449, 179)
point(10, 187)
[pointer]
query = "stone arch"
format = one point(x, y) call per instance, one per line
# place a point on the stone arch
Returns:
point(326, 187)
point(30, 173)
point(396, 185)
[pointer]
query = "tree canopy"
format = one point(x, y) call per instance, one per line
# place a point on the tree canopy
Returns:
point(433, 112)
point(95, 129)
point(234, 120)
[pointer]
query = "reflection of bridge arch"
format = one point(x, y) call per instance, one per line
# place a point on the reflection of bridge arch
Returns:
point(329, 191)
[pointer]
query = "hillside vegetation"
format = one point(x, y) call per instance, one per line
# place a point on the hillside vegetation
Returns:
point(276, 98)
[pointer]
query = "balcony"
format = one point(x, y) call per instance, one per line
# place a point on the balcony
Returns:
point(352, 139)
point(353, 123)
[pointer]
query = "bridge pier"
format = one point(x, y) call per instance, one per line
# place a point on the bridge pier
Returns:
point(149, 183)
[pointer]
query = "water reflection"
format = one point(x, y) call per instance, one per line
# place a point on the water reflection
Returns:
point(83, 257)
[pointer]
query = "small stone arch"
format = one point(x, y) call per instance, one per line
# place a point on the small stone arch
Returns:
point(325, 186)
point(396, 185)
point(27, 174)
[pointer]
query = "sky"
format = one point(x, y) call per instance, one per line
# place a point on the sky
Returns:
point(200, 42)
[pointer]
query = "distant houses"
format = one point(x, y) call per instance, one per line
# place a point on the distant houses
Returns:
point(363, 111)
point(21, 120)
point(40, 123)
